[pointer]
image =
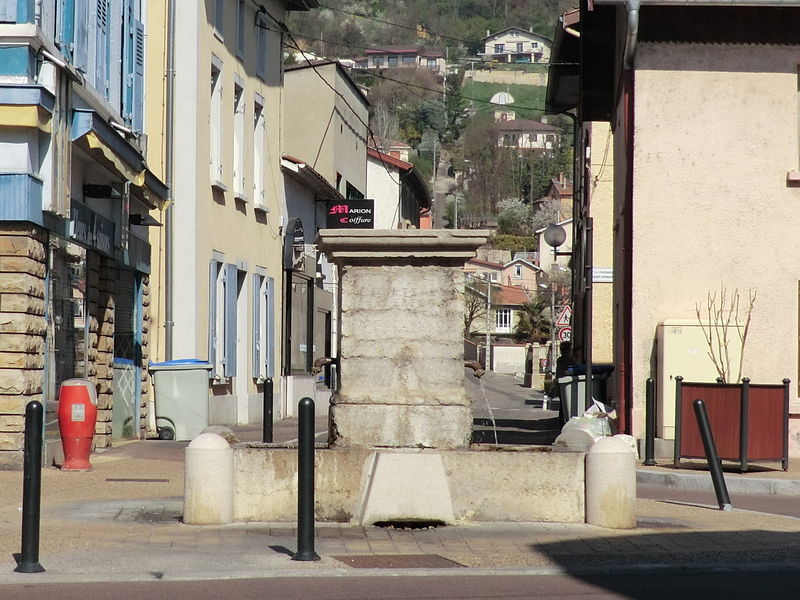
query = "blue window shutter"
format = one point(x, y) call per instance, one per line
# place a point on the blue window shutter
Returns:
point(81, 35)
point(256, 332)
point(219, 16)
point(230, 320)
point(269, 355)
point(127, 51)
point(67, 32)
point(101, 52)
point(213, 268)
point(138, 78)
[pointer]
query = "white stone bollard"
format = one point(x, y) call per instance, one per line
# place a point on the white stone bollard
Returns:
point(611, 484)
point(208, 481)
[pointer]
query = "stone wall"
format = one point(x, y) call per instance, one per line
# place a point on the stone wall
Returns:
point(145, 377)
point(101, 279)
point(23, 328)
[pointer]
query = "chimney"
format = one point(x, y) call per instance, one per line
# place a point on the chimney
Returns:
point(488, 33)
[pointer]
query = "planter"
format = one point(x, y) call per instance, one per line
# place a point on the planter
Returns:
point(750, 422)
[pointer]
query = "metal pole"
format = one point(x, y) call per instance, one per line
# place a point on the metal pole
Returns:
point(650, 430)
point(28, 559)
point(486, 364)
point(744, 424)
point(553, 330)
point(268, 400)
point(305, 482)
point(587, 316)
point(717, 478)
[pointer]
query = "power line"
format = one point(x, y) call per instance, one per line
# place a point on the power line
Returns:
point(285, 30)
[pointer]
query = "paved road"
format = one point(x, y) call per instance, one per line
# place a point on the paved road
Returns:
point(768, 584)
point(771, 504)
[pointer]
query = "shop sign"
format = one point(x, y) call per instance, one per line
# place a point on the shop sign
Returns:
point(90, 229)
point(353, 213)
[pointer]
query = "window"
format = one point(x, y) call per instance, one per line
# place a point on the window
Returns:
point(102, 39)
point(238, 142)
point(519, 46)
point(259, 158)
point(409, 60)
point(263, 326)
point(353, 192)
point(432, 64)
point(216, 315)
point(215, 123)
point(225, 284)
point(261, 46)
point(492, 276)
point(499, 48)
point(240, 28)
point(377, 61)
point(517, 271)
point(392, 61)
point(503, 320)
point(301, 307)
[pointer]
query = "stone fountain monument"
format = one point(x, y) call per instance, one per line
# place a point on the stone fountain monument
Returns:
point(401, 345)
point(401, 421)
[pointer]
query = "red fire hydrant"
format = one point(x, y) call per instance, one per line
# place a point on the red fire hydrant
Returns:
point(77, 415)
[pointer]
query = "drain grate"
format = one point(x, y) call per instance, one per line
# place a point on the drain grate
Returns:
point(398, 561)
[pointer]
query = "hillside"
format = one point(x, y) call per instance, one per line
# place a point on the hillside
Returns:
point(345, 29)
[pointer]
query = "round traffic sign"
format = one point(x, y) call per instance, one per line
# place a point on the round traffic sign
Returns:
point(564, 334)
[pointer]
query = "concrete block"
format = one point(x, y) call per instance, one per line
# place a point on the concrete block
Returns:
point(408, 487)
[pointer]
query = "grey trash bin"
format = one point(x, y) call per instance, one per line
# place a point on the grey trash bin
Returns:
point(572, 389)
point(180, 398)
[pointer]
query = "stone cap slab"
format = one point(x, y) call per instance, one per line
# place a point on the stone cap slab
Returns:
point(376, 244)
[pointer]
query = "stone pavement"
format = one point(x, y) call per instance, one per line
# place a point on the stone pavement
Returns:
point(122, 521)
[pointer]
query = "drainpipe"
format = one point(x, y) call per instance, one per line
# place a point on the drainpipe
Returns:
point(633, 31)
point(168, 168)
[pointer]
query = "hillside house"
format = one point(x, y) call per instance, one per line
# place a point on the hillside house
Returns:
point(515, 45)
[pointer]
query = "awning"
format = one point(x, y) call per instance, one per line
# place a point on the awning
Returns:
point(26, 106)
point(104, 143)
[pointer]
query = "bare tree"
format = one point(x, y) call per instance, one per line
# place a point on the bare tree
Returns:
point(722, 319)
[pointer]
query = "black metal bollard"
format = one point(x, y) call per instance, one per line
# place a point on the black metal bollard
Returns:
point(305, 482)
point(28, 559)
point(717, 478)
point(268, 399)
point(650, 429)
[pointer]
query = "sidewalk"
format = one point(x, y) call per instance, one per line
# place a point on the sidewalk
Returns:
point(122, 521)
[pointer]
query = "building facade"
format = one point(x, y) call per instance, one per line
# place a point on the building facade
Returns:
point(75, 261)
point(515, 45)
point(221, 276)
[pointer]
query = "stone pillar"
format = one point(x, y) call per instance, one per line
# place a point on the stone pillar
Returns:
point(102, 277)
point(145, 375)
point(401, 347)
point(23, 256)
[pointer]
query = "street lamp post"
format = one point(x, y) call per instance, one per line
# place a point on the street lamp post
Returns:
point(486, 365)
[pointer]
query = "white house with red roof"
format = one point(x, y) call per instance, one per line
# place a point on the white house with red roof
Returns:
point(399, 192)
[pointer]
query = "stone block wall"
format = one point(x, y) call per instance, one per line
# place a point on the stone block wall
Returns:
point(23, 256)
point(145, 377)
point(101, 279)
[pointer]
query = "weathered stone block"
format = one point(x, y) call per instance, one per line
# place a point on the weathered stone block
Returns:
point(397, 426)
point(20, 381)
point(12, 441)
point(19, 360)
point(15, 404)
point(13, 342)
point(22, 245)
point(22, 323)
point(21, 303)
point(12, 460)
point(22, 283)
point(22, 264)
point(12, 423)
